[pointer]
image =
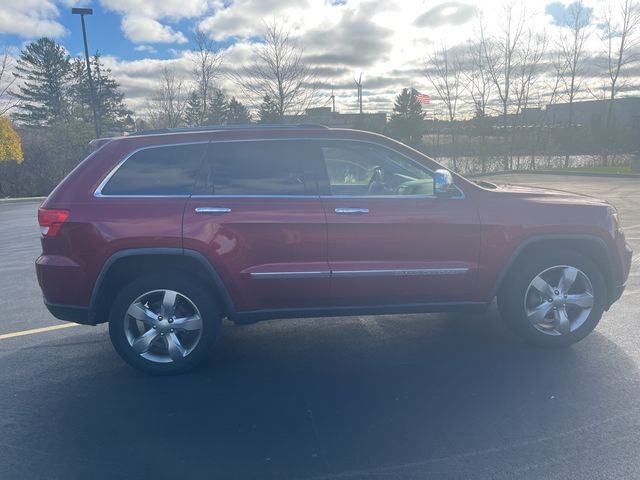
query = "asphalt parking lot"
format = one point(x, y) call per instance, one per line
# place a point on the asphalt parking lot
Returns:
point(443, 396)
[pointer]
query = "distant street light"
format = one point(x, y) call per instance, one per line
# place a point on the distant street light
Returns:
point(82, 12)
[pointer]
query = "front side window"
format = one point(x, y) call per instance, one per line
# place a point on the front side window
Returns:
point(273, 167)
point(363, 169)
point(170, 170)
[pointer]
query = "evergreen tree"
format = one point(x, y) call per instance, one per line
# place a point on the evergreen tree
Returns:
point(218, 108)
point(407, 120)
point(237, 113)
point(269, 111)
point(193, 110)
point(44, 69)
point(110, 108)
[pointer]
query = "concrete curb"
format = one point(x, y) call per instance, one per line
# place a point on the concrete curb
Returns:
point(21, 199)
point(559, 172)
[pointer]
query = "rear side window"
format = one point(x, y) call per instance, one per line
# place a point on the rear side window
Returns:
point(274, 167)
point(171, 170)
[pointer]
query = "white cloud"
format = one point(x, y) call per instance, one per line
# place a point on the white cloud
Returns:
point(143, 29)
point(145, 21)
point(145, 48)
point(30, 18)
point(169, 9)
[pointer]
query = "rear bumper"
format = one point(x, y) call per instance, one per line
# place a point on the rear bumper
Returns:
point(69, 313)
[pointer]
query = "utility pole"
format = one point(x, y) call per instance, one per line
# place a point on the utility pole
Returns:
point(92, 94)
point(333, 101)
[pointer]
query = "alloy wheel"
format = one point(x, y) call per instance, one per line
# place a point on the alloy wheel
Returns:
point(163, 326)
point(559, 300)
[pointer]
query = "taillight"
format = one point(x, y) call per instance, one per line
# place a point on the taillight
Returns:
point(51, 220)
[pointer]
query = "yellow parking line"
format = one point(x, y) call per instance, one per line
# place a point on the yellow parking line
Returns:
point(4, 336)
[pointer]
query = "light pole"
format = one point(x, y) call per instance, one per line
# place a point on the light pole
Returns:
point(82, 12)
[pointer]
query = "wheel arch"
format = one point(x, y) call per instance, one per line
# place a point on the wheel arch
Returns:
point(120, 266)
point(591, 246)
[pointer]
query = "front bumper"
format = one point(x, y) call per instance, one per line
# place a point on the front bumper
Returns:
point(616, 292)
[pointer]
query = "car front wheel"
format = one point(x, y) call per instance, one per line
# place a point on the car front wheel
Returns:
point(553, 299)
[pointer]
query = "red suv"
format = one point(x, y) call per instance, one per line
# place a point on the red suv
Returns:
point(163, 234)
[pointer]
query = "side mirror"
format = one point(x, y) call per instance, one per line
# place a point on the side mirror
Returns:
point(442, 182)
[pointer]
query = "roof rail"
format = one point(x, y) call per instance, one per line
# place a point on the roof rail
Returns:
point(250, 126)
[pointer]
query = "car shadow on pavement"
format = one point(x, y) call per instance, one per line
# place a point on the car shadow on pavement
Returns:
point(453, 396)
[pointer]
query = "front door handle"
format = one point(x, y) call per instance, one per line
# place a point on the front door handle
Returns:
point(212, 210)
point(351, 211)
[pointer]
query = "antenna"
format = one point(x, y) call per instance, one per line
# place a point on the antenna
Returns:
point(333, 101)
point(359, 87)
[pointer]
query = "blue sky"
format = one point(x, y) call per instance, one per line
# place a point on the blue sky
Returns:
point(105, 35)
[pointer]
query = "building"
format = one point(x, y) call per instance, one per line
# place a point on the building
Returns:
point(625, 114)
point(324, 116)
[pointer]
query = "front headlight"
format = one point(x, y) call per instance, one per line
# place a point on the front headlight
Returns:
point(616, 228)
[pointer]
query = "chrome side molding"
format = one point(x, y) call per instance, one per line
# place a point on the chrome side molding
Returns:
point(359, 273)
point(289, 275)
point(399, 273)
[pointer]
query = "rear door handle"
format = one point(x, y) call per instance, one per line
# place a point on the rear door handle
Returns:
point(212, 210)
point(351, 211)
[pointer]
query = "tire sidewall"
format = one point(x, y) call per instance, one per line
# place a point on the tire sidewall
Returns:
point(511, 300)
point(182, 284)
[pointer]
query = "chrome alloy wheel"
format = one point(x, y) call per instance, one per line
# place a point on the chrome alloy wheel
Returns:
point(559, 300)
point(163, 326)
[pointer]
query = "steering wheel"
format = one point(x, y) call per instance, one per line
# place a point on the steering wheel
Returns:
point(377, 180)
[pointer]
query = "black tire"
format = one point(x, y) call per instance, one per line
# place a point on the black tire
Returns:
point(176, 281)
point(511, 299)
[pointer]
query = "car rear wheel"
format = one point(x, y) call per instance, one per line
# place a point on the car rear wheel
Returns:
point(164, 323)
point(553, 299)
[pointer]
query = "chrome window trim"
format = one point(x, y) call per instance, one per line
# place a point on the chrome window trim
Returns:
point(314, 196)
point(360, 273)
point(98, 191)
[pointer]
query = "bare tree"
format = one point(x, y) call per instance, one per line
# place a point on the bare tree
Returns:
point(7, 79)
point(279, 72)
point(166, 106)
point(443, 72)
point(527, 74)
point(620, 38)
point(571, 56)
point(500, 53)
point(477, 78)
point(207, 63)
point(478, 83)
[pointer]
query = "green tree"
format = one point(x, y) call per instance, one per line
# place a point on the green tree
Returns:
point(10, 146)
point(110, 107)
point(43, 68)
point(218, 108)
point(269, 111)
point(407, 120)
point(193, 110)
point(237, 113)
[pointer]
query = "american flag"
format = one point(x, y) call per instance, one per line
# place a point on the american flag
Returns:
point(422, 98)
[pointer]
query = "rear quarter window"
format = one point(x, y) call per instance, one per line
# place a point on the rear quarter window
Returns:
point(163, 170)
